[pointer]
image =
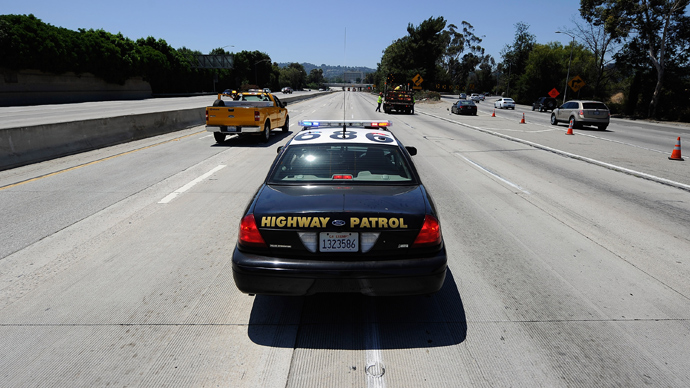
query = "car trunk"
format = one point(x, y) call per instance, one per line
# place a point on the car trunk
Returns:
point(384, 220)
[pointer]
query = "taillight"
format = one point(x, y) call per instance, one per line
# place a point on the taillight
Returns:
point(582, 113)
point(257, 116)
point(342, 176)
point(249, 233)
point(430, 234)
point(207, 117)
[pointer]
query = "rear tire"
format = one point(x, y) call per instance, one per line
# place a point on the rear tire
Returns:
point(575, 123)
point(220, 137)
point(286, 126)
point(266, 134)
point(603, 127)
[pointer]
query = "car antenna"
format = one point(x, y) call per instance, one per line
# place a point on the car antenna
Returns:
point(345, 57)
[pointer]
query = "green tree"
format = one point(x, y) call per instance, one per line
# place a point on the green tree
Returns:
point(652, 23)
point(293, 76)
point(515, 56)
point(602, 44)
point(546, 68)
point(315, 78)
point(420, 52)
point(462, 54)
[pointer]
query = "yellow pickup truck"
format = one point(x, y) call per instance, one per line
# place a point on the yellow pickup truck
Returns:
point(248, 113)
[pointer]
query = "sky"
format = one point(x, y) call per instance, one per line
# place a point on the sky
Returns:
point(345, 33)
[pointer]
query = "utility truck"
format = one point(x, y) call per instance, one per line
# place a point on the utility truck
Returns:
point(398, 99)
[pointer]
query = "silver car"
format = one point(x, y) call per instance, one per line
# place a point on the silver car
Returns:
point(505, 103)
point(594, 113)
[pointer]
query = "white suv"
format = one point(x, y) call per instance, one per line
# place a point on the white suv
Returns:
point(594, 113)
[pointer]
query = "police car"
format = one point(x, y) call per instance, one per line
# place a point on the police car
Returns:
point(342, 210)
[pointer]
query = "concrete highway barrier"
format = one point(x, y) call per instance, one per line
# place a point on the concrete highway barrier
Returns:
point(25, 145)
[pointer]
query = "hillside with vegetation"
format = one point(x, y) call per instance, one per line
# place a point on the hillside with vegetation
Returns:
point(27, 42)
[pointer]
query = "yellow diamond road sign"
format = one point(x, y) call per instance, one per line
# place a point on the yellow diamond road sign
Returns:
point(417, 80)
point(576, 83)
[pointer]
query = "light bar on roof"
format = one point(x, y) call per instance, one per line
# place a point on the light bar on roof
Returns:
point(346, 123)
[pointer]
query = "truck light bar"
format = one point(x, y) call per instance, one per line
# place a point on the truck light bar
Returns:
point(311, 124)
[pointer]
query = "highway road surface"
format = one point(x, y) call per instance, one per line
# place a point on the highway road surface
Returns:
point(569, 264)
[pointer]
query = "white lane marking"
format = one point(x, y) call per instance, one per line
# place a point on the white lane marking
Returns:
point(204, 137)
point(493, 174)
point(374, 369)
point(613, 167)
point(189, 185)
point(560, 128)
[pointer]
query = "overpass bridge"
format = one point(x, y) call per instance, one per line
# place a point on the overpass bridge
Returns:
point(358, 87)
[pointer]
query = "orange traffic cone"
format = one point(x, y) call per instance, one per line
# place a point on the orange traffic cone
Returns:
point(570, 128)
point(494, 114)
point(523, 119)
point(675, 155)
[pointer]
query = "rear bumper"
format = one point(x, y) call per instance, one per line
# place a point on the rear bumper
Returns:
point(231, 129)
point(593, 122)
point(277, 276)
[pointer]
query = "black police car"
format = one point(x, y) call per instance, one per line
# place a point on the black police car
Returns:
point(341, 210)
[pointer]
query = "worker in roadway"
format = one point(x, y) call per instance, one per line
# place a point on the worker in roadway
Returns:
point(379, 101)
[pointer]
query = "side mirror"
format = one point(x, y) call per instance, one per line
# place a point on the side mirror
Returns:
point(280, 148)
point(411, 150)
point(284, 104)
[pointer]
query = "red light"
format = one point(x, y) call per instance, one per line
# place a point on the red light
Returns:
point(207, 116)
point(249, 233)
point(430, 234)
point(257, 116)
point(342, 176)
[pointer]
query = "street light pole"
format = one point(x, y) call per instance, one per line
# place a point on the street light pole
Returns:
point(256, 78)
point(572, 43)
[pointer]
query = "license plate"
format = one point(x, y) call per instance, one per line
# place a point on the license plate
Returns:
point(338, 242)
point(596, 113)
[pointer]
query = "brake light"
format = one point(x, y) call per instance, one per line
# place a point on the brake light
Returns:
point(342, 176)
point(257, 116)
point(430, 234)
point(249, 233)
point(582, 113)
point(207, 117)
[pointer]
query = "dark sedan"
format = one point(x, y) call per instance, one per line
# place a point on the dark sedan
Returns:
point(464, 107)
point(341, 210)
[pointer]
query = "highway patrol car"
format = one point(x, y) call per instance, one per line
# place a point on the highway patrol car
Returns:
point(342, 209)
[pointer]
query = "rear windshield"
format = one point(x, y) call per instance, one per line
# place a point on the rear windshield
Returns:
point(594, 105)
point(342, 164)
point(254, 97)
